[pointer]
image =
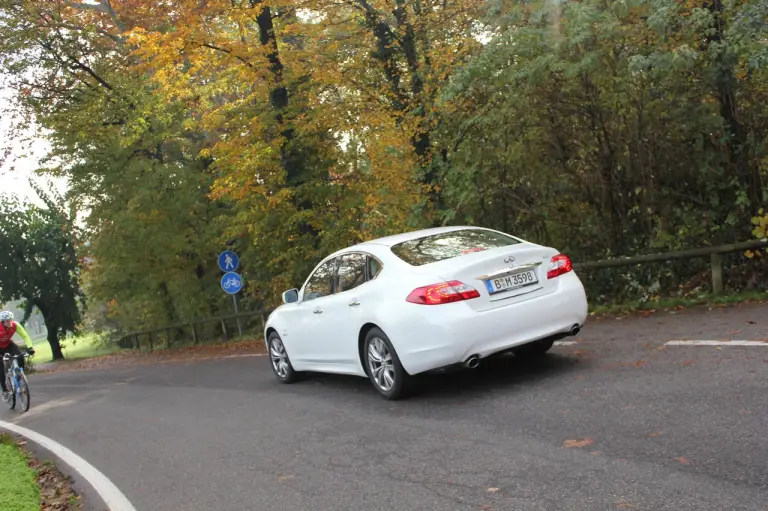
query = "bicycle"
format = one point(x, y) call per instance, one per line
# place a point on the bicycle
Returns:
point(16, 381)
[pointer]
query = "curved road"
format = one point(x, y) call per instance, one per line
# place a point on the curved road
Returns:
point(616, 421)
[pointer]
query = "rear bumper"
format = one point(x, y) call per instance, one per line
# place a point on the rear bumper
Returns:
point(438, 336)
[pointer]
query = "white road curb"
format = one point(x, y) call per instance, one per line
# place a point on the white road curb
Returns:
point(112, 496)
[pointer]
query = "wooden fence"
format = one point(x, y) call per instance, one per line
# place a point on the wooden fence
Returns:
point(715, 255)
point(170, 334)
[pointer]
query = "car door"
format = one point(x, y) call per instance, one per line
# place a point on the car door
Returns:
point(345, 311)
point(309, 322)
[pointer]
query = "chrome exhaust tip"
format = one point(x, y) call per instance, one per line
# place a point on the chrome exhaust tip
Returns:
point(472, 362)
point(575, 329)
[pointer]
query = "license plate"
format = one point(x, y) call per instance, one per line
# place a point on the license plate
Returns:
point(511, 282)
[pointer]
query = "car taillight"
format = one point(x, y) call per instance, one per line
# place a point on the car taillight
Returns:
point(446, 292)
point(559, 265)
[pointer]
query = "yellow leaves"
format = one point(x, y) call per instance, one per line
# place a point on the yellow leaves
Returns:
point(212, 60)
point(761, 229)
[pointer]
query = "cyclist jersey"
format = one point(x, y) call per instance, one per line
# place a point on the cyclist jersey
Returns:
point(6, 335)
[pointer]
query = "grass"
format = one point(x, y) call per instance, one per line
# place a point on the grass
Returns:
point(672, 303)
point(84, 346)
point(18, 482)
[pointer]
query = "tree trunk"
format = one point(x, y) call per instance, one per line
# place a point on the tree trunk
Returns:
point(292, 161)
point(53, 340)
point(725, 84)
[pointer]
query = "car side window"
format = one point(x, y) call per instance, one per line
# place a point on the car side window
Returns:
point(320, 284)
point(374, 267)
point(351, 271)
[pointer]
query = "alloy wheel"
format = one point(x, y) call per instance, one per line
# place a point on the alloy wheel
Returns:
point(279, 358)
point(380, 364)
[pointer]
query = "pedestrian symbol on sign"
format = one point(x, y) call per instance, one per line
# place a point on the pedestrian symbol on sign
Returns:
point(228, 261)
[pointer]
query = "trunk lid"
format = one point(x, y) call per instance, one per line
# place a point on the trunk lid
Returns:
point(503, 276)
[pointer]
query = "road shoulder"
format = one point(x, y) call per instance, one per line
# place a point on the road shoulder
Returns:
point(71, 483)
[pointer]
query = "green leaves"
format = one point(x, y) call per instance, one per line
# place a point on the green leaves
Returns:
point(39, 264)
point(566, 130)
point(600, 128)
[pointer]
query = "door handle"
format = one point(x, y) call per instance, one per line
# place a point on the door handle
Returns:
point(318, 311)
point(354, 303)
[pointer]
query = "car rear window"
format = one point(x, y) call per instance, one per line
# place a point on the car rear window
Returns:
point(447, 245)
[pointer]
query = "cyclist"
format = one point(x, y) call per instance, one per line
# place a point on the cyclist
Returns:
point(8, 327)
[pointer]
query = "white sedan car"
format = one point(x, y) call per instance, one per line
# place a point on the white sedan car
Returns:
point(398, 306)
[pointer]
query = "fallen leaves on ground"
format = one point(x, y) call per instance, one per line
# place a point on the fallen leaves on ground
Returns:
point(654, 434)
point(624, 505)
point(284, 478)
point(492, 490)
point(578, 443)
point(683, 460)
point(181, 354)
point(56, 492)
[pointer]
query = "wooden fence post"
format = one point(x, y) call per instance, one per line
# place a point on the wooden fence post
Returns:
point(716, 263)
point(224, 330)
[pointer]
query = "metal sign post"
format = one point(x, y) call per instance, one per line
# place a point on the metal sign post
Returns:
point(231, 282)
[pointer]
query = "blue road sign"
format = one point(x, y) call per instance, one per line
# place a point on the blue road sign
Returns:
point(228, 261)
point(231, 283)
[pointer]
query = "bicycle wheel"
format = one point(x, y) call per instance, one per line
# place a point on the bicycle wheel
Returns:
point(12, 394)
point(24, 392)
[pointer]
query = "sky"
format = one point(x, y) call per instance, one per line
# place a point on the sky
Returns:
point(21, 164)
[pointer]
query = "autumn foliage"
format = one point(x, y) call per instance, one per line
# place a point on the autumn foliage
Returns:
point(287, 129)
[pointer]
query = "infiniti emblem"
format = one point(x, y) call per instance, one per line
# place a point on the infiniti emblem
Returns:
point(509, 259)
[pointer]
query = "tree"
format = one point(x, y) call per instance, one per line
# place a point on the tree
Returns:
point(612, 128)
point(39, 265)
point(287, 130)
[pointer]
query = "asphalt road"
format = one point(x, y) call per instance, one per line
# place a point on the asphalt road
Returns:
point(616, 421)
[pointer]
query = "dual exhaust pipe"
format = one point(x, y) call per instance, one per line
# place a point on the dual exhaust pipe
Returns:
point(474, 360)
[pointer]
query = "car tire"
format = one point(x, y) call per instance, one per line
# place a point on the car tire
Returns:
point(383, 366)
point(534, 349)
point(279, 361)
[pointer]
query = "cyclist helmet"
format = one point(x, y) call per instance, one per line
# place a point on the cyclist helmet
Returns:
point(6, 316)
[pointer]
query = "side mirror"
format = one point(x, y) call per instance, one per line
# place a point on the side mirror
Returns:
point(291, 296)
